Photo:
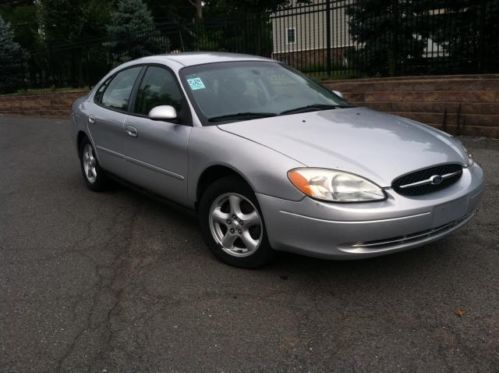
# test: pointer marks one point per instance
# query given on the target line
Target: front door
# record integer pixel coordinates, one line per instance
(156, 151)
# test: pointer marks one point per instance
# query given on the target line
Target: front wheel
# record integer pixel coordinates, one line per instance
(232, 224)
(93, 174)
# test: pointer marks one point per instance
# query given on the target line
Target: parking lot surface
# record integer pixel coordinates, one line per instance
(120, 282)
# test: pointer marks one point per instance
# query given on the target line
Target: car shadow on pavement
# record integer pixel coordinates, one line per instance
(286, 264)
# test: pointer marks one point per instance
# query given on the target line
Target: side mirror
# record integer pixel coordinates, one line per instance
(163, 112)
(337, 93)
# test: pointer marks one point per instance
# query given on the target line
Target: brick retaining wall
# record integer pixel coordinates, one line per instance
(466, 105)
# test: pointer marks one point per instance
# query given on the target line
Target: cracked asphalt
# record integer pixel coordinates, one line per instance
(119, 282)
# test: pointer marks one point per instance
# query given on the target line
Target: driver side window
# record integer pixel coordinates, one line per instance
(158, 87)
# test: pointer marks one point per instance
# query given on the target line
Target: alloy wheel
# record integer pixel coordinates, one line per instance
(89, 163)
(235, 224)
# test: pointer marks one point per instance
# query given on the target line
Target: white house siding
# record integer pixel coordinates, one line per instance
(309, 21)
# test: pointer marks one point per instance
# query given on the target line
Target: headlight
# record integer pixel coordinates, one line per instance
(334, 186)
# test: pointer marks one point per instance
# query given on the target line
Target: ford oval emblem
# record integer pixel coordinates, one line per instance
(436, 179)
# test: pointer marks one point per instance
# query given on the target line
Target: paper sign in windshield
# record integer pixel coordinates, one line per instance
(196, 83)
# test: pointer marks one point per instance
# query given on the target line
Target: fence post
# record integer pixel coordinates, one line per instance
(481, 31)
(328, 37)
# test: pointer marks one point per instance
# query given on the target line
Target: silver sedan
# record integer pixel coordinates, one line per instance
(272, 161)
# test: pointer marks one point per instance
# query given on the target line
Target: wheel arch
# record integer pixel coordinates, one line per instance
(213, 173)
(79, 139)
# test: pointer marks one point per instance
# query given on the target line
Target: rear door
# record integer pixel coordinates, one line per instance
(156, 151)
(107, 118)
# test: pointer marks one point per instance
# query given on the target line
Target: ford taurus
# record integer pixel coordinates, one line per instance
(272, 161)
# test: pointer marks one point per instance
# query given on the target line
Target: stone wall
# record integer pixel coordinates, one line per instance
(50, 104)
(466, 105)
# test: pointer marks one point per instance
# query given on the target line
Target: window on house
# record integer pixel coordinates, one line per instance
(291, 35)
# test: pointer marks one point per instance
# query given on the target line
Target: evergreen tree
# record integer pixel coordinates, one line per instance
(132, 32)
(237, 25)
(69, 30)
(23, 22)
(11, 60)
(467, 31)
(386, 36)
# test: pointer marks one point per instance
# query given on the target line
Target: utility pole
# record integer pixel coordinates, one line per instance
(198, 4)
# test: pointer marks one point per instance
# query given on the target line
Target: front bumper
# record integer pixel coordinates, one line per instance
(360, 230)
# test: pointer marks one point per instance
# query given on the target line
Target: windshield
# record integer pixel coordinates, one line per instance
(234, 91)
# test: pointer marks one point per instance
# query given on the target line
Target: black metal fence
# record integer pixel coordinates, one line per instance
(355, 38)
(82, 64)
(326, 39)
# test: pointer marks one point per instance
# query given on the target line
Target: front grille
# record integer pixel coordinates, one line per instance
(428, 180)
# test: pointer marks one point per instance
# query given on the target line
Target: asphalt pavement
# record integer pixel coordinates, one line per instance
(117, 281)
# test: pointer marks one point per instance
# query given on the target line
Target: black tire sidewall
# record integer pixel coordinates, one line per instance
(100, 183)
(230, 184)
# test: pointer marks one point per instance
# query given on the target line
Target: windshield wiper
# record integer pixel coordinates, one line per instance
(241, 116)
(313, 107)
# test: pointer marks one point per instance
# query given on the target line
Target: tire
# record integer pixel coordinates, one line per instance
(94, 176)
(232, 224)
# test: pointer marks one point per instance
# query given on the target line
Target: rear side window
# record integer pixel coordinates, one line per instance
(100, 91)
(117, 92)
(158, 87)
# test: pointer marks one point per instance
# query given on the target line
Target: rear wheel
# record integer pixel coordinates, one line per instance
(232, 224)
(93, 174)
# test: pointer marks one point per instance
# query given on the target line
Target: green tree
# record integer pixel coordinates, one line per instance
(467, 31)
(236, 26)
(72, 32)
(132, 32)
(387, 39)
(171, 10)
(24, 24)
(11, 60)
(253, 6)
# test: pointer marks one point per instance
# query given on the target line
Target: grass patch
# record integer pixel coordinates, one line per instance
(41, 91)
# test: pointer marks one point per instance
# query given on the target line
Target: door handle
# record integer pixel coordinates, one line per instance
(132, 131)
(91, 119)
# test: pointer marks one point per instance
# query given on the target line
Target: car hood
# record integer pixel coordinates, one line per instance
(375, 145)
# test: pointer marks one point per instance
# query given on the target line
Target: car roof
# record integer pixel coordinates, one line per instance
(177, 61)
(198, 58)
